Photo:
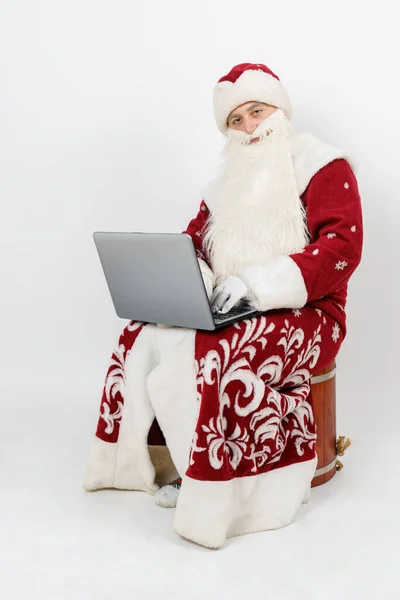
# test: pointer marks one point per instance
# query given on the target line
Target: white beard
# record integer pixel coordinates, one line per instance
(256, 211)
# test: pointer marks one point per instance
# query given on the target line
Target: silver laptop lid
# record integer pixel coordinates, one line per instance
(155, 278)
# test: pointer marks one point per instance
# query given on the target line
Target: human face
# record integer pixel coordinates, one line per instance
(248, 116)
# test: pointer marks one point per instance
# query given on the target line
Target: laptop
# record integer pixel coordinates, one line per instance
(156, 278)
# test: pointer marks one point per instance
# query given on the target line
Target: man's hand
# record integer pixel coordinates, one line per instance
(227, 294)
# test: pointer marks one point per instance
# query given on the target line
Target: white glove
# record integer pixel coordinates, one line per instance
(227, 294)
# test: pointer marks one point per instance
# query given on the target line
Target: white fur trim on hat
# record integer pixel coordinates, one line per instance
(254, 85)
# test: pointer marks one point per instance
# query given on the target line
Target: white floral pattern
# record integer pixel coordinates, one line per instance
(109, 417)
(270, 432)
(233, 446)
(260, 400)
(330, 235)
(134, 326)
(115, 383)
(194, 448)
(112, 400)
(353, 229)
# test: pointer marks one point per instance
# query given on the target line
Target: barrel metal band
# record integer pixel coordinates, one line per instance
(324, 470)
(325, 377)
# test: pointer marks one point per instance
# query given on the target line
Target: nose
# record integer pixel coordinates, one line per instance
(249, 125)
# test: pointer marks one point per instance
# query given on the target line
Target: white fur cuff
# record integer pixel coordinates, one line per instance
(277, 284)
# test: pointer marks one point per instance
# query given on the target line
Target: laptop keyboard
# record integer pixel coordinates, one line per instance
(236, 311)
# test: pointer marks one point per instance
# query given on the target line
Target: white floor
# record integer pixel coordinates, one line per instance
(58, 542)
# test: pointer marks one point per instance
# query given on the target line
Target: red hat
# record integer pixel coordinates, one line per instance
(244, 83)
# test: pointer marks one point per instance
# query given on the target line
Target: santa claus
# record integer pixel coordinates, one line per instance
(280, 227)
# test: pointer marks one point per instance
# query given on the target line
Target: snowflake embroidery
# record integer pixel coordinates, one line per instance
(324, 320)
(315, 251)
(198, 233)
(346, 186)
(330, 235)
(335, 332)
(353, 229)
(341, 265)
(296, 312)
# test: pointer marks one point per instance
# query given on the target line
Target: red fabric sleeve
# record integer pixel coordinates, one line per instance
(195, 230)
(334, 217)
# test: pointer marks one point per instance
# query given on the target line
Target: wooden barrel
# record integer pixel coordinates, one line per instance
(323, 387)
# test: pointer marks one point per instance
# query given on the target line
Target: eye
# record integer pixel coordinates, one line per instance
(235, 121)
(256, 111)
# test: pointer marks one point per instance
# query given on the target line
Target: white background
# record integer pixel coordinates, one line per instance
(106, 123)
